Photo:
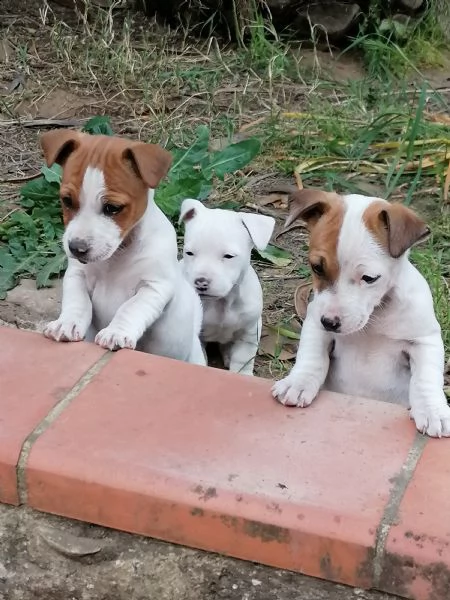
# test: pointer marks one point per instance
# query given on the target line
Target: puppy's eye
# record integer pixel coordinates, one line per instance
(318, 269)
(228, 256)
(67, 201)
(369, 279)
(109, 210)
(189, 253)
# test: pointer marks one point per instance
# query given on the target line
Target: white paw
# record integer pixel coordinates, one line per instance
(434, 422)
(113, 339)
(65, 330)
(295, 390)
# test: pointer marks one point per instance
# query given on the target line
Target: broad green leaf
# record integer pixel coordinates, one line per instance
(188, 161)
(100, 125)
(52, 174)
(40, 190)
(54, 266)
(233, 157)
(7, 281)
(7, 261)
(276, 256)
(170, 195)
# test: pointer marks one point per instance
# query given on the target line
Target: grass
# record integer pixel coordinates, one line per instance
(373, 133)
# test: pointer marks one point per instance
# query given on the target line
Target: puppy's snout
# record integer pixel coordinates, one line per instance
(79, 248)
(331, 324)
(202, 283)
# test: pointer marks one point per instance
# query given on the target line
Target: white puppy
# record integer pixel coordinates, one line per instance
(216, 261)
(370, 329)
(123, 285)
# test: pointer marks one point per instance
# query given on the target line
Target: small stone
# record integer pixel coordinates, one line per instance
(68, 544)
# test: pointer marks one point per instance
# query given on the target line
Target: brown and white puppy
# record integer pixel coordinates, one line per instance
(123, 283)
(370, 329)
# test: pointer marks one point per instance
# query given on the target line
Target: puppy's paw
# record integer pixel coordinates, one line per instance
(111, 338)
(433, 421)
(65, 330)
(295, 390)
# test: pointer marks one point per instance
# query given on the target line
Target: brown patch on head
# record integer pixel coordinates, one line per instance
(323, 213)
(130, 168)
(395, 227)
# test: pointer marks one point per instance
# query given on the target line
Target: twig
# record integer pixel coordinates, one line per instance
(44, 122)
(260, 209)
(21, 179)
(275, 278)
(9, 214)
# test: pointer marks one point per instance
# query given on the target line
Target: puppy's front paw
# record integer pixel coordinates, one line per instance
(65, 330)
(295, 390)
(114, 339)
(434, 422)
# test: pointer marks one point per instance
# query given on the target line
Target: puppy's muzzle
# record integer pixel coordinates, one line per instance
(331, 324)
(202, 284)
(79, 249)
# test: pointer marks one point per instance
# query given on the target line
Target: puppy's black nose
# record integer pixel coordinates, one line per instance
(79, 248)
(331, 324)
(202, 283)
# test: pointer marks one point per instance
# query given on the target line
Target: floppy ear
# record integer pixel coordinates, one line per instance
(149, 161)
(309, 205)
(189, 209)
(401, 229)
(259, 227)
(58, 144)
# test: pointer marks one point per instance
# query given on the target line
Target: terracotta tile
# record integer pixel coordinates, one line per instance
(417, 561)
(207, 459)
(35, 374)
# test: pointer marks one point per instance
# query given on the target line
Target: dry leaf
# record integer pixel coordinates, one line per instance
(68, 544)
(272, 344)
(277, 200)
(439, 118)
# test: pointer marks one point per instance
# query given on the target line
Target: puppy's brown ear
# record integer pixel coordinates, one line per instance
(58, 144)
(309, 205)
(398, 228)
(150, 162)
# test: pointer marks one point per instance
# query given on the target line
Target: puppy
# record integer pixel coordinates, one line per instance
(123, 286)
(370, 329)
(216, 261)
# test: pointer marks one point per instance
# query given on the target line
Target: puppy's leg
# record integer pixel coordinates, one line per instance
(308, 375)
(429, 407)
(241, 353)
(136, 315)
(198, 354)
(76, 311)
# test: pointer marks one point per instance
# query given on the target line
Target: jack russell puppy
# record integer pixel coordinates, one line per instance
(123, 286)
(216, 261)
(370, 329)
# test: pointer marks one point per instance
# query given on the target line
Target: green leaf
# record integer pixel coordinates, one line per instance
(40, 190)
(187, 162)
(100, 125)
(276, 256)
(54, 266)
(171, 194)
(52, 174)
(234, 157)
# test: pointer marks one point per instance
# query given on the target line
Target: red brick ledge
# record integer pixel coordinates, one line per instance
(345, 490)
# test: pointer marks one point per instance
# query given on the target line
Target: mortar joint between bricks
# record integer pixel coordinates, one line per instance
(50, 418)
